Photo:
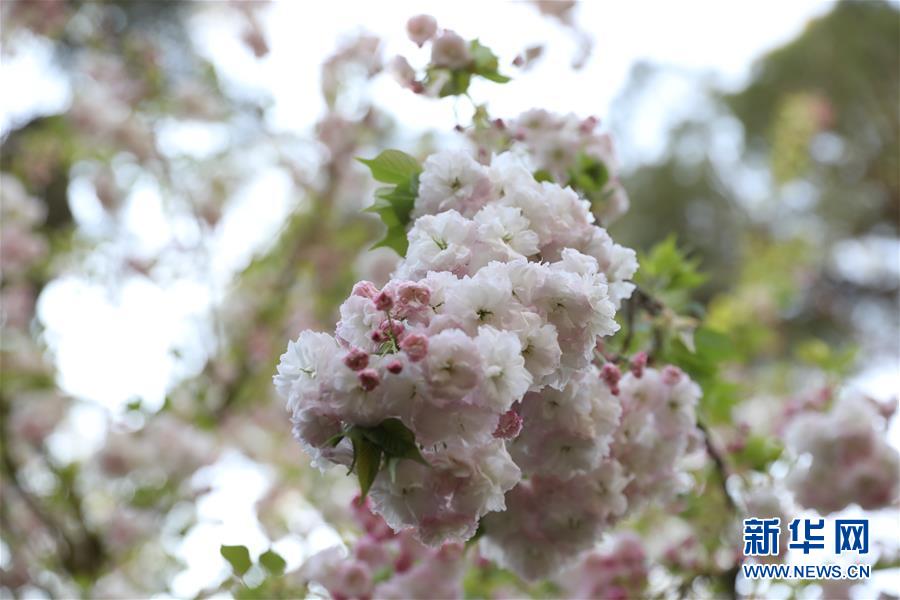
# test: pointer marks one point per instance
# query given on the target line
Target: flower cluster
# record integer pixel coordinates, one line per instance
(566, 148)
(453, 63)
(594, 452)
(657, 431)
(501, 213)
(844, 458)
(481, 349)
(385, 564)
(615, 573)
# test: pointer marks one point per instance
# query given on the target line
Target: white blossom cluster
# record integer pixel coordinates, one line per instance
(844, 458)
(386, 564)
(483, 344)
(554, 143)
(591, 457)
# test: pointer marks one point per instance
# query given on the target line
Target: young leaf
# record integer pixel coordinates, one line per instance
(392, 166)
(589, 175)
(457, 85)
(272, 562)
(394, 203)
(542, 175)
(238, 557)
(395, 439)
(367, 457)
(496, 77)
(485, 62)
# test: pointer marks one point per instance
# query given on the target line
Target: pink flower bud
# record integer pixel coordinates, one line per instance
(356, 360)
(610, 374)
(450, 51)
(413, 294)
(383, 301)
(588, 124)
(415, 345)
(392, 328)
(510, 425)
(395, 367)
(366, 289)
(421, 28)
(378, 337)
(671, 375)
(369, 379)
(638, 362)
(403, 562)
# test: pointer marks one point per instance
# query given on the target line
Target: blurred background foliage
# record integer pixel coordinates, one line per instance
(816, 165)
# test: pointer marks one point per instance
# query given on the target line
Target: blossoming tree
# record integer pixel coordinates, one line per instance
(526, 406)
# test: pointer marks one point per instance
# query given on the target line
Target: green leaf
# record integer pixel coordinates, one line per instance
(485, 62)
(367, 458)
(714, 345)
(589, 175)
(272, 562)
(496, 77)
(817, 352)
(395, 439)
(335, 439)
(718, 400)
(392, 166)
(759, 452)
(457, 85)
(542, 175)
(238, 557)
(394, 204)
(668, 274)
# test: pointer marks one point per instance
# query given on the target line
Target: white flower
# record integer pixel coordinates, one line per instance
(569, 431)
(452, 180)
(506, 232)
(539, 347)
(549, 521)
(470, 480)
(505, 376)
(617, 263)
(306, 358)
(440, 242)
(359, 318)
(848, 459)
(482, 300)
(452, 365)
(510, 174)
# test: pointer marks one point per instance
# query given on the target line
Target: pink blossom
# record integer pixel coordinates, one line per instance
(610, 374)
(421, 28)
(509, 426)
(356, 359)
(369, 379)
(638, 363)
(383, 301)
(366, 289)
(415, 345)
(672, 375)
